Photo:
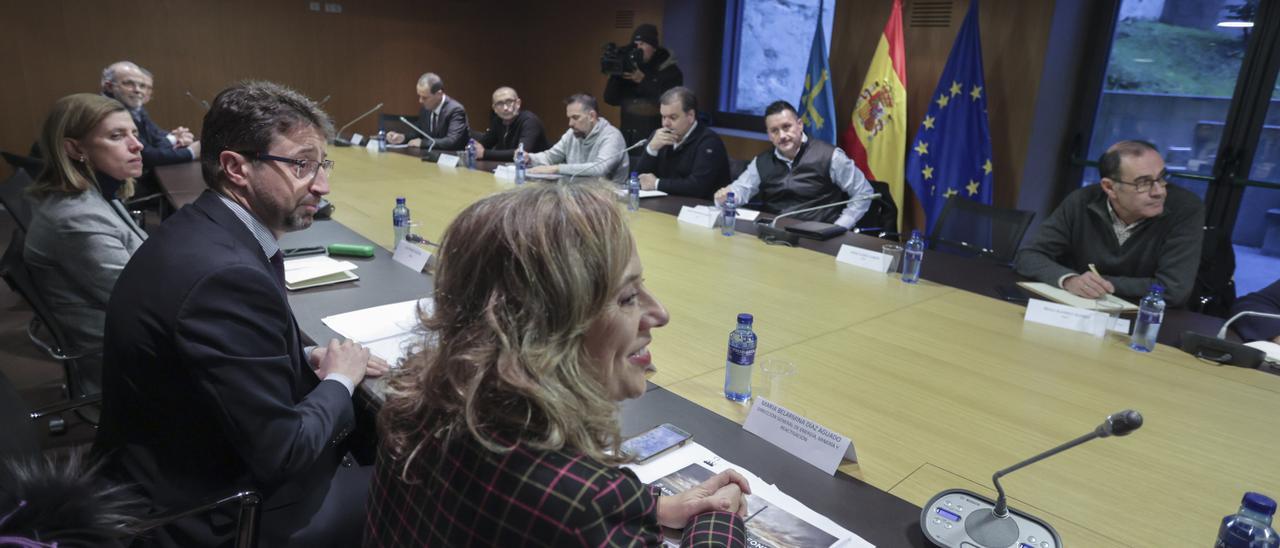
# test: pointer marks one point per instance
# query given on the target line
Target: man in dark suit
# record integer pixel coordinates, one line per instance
(1255, 328)
(132, 85)
(207, 386)
(683, 158)
(442, 117)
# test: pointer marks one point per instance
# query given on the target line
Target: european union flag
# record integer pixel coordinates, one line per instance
(951, 154)
(817, 103)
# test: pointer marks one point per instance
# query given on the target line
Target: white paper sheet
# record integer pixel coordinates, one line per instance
(307, 268)
(384, 330)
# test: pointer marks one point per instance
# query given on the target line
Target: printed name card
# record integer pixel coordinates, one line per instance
(1068, 317)
(372, 145)
(356, 139)
(447, 160)
(701, 216)
(864, 258)
(411, 255)
(799, 436)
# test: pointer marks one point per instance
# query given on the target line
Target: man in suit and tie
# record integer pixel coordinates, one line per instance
(207, 385)
(131, 84)
(442, 117)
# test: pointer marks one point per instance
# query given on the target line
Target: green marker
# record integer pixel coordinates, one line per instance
(351, 250)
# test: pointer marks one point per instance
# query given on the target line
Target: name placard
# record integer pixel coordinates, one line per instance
(447, 160)
(703, 217)
(864, 258)
(1067, 317)
(356, 139)
(411, 255)
(372, 145)
(808, 440)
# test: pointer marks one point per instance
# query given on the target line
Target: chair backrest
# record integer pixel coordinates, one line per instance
(31, 164)
(736, 167)
(13, 268)
(391, 122)
(13, 194)
(882, 214)
(1215, 288)
(967, 227)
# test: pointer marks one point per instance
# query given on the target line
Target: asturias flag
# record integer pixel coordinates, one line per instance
(877, 138)
(951, 155)
(817, 103)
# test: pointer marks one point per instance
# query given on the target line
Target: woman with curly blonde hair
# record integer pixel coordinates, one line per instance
(503, 430)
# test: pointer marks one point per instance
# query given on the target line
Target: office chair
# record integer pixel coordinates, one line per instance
(881, 218)
(13, 195)
(966, 227)
(1215, 288)
(736, 167)
(43, 331)
(21, 442)
(31, 164)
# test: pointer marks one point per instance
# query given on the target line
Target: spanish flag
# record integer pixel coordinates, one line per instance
(877, 138)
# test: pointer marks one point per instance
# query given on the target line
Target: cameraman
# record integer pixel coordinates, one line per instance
(638, 91)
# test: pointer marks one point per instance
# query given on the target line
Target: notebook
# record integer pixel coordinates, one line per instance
(1108, 304)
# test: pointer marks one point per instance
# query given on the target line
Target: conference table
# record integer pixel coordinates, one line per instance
(938, 383)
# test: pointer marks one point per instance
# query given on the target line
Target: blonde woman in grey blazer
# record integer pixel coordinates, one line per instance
(80, 240)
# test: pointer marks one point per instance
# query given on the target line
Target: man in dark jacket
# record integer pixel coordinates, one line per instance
(637, 92)
(1122, 235)
(442, 117)
(132, 85)
(683, 158)
(510, 127)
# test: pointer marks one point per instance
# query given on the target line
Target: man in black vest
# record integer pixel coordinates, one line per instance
(801, 173)
(683, 158)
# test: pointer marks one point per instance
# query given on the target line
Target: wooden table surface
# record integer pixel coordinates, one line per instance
(938, 387)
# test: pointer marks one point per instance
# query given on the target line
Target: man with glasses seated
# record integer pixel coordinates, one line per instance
(132, 85)
(207, 387)
(510, 127)
(1133, 227)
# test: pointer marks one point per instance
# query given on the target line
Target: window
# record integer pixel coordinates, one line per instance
(766, 50)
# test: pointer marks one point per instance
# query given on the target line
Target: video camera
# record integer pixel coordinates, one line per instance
(617, 61)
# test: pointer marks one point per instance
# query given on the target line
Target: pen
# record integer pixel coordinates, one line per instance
(1094, 269)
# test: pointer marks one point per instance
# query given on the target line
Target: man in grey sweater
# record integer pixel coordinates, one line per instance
(591, 147)
(1133, 226)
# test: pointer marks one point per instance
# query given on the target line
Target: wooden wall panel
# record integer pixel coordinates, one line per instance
(372, 52)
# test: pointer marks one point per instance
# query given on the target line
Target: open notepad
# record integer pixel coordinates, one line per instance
(1110, 303)
(387, 330)
(315, 271)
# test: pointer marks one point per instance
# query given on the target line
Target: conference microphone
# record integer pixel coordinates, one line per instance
(958, 517)
(200, 102)
(420, 132)
(771, 234)
(338, 140)
(1219, 349)
(617, 156)
(323, 101)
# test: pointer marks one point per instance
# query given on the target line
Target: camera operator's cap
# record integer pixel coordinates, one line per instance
(646, 33)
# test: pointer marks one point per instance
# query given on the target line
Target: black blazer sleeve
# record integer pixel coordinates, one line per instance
(156, 148)
(1253, 328)
(232, 327)
(456, 133)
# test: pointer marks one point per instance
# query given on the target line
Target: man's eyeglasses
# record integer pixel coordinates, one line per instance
(1145, 184)
(507, 103)
(302, 169)
(134, 84)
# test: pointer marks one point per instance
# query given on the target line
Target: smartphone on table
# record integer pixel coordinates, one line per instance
(656, 441)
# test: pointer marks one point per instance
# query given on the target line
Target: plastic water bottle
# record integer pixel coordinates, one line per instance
(730, 216)
(1147, 326)
(1251, 526)
(912, 258)
(382, 140)
(471, 154)
(519, 158)
(633, 192)
(400, 221)
(742, 354)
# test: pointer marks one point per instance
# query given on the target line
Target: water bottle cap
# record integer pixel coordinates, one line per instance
(747, 319)
(1157, 288)
(915, 233)
(1259, 502)
(399, 199)
(634, 174)
(730, 194)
